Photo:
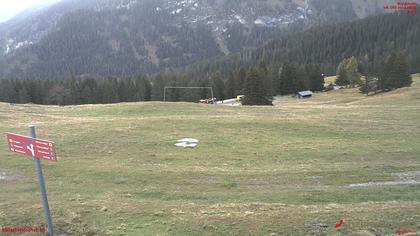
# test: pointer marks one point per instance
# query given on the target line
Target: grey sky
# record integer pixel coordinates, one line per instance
(9, 8)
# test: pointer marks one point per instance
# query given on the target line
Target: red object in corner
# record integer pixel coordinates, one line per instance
(339, 224)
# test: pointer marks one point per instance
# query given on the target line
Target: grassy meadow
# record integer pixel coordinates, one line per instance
(281, 170)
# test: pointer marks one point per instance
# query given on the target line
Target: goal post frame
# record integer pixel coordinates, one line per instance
(177, 87)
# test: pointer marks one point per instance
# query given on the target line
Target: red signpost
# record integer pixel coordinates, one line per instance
(37, 148)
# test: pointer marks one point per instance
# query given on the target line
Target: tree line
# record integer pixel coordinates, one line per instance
(393, 73)
(259, 83)
(74, 91)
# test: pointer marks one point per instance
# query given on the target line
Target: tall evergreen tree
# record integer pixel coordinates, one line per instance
(75, 91)
(395, 72)
(7, 91)
(110, 91)
(302, 81)
(370, 82)
(24, 95)
(159, 84)
(348, 73)
(218, 87)
(231, 89)
(288, 79)
(147, 89)
(342, 77)
(240, 81)
(353, 73)
(255, 92)
(316, 79)
(58, 95)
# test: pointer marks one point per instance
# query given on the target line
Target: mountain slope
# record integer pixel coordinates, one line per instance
(375, 37)
(129, 37)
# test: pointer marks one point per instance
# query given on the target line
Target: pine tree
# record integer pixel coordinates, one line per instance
(24, 96)
(394, 73)
(353, 73)
(131, 90)
(75, 91)
(255, 92)
(58, 95)
(173, 94)
(122, 90)
(316, 79)
(370, 83)
(288, 79)
(110, 91)
(230, 90)
(266, 78)
(240, 81)
(147, 89)
(342, 78)
(7, 92)
(302, 81)
(159, 84)
(87, 95)
(277, 83)
(402, 70)
(219, 87)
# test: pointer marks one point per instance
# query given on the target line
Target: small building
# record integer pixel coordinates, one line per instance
(305, 94)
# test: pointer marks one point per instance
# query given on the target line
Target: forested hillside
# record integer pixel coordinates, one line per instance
(375, 37)
(283, 66)
(121, 38)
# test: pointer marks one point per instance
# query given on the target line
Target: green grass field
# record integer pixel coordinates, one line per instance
(282, 170)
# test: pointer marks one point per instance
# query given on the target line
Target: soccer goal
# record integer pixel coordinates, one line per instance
(169, 88)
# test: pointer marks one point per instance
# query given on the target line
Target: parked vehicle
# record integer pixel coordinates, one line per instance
(239, 98)
(208, 101)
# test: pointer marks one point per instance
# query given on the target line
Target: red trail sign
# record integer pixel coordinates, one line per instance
(33, 147)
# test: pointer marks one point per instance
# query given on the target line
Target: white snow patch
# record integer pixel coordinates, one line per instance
(127, 6)
(177, 11)
(22, 44)
(4, 176)
(405, 178)
(190, 140)
(386, 183)
(259, 22)
(240, 19)
(187, 143)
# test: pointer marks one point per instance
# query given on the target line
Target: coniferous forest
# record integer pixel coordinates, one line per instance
(259, 84)
(385, 49)
(375, 37)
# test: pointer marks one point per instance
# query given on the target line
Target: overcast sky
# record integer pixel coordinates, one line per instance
(9, 8)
